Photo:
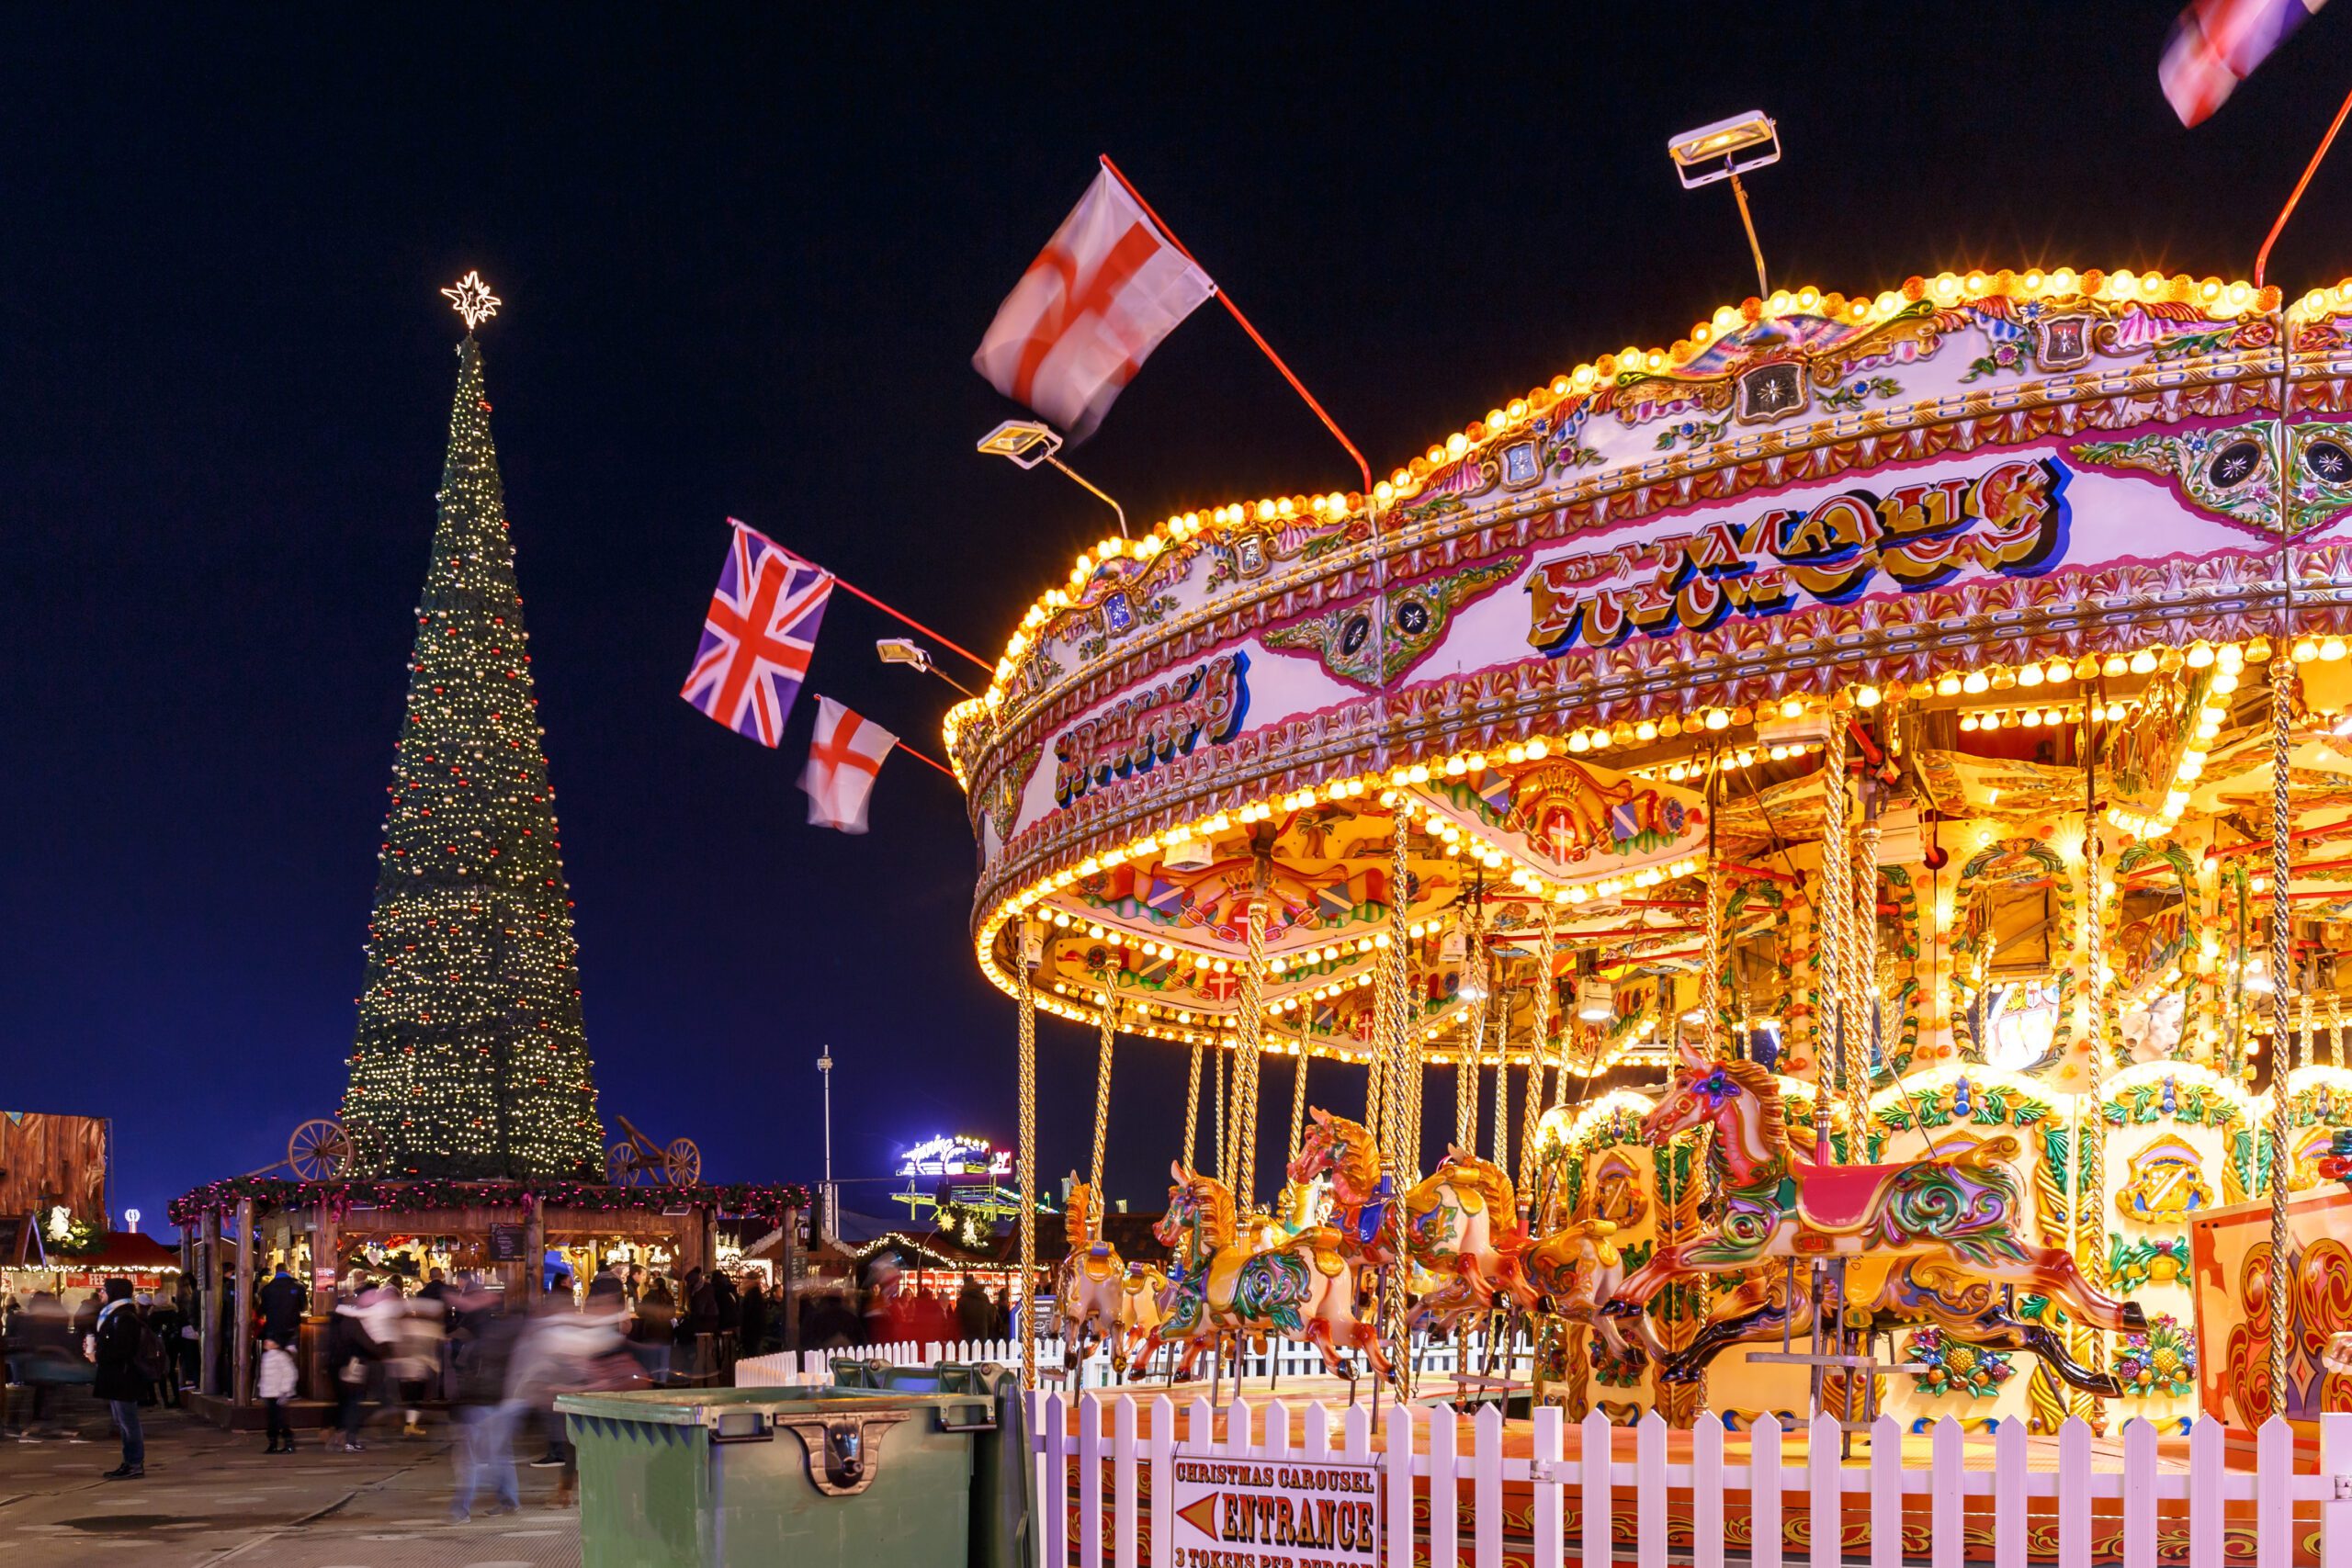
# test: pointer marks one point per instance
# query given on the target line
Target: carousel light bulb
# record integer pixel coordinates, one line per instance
(2028, 674)
(2332, 649)
(1674, 773)
(1866, 696)
(2030, 718)
(1947, 685)
(2199, 654)
(1793, 707)
(1718, 718)
(1977, 683)
(1537, 750)
(1455, 767)
(1646, 730)
(2230, 656)
(1990, 721)
(2144, 663)
(2052, 716)
(2225, 684)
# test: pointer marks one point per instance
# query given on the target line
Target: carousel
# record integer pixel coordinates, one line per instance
(1847, 815)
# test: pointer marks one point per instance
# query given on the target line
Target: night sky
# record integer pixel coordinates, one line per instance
(746, 267)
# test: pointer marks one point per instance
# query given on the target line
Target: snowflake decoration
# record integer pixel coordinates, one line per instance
(472, 298)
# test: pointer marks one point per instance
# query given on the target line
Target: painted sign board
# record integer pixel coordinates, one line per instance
(1244, 1513)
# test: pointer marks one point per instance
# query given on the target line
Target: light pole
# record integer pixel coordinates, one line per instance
(829, 1215)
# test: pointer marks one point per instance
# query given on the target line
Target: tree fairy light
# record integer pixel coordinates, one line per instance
(470, 1060)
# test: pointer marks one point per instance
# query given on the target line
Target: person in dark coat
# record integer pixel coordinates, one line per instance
(752, 1334)
(975, 1317)
(700, 1319)
(166, 1319)
(283, 1302)
(120, 1381)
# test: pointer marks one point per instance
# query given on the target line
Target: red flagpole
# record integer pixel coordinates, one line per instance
(1235, 310)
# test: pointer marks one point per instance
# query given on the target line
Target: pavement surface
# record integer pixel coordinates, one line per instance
(211, 1496)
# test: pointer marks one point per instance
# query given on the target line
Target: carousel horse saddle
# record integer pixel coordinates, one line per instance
(1101, 1263)
(1842, 1199)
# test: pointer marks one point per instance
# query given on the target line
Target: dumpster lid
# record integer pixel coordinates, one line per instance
(711, 1408)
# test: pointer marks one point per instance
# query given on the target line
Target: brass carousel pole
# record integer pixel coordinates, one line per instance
(1109, 1017)
(2090, 1180)
(1539, 1034)
(2282, 676)
(1474, 1049)
(1298, 1094)
(1193, 1108)
(1390, 1047)
(1249, 1053)
(1031, 941)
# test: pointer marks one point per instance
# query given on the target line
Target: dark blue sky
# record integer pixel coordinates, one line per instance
(746, 265)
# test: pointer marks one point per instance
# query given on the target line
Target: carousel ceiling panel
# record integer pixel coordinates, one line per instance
(1572, 821)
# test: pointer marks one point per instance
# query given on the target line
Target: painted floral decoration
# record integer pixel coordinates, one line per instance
(1948, 1366)
(2162, 1360)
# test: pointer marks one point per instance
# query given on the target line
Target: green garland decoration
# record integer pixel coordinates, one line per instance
(753, 1201)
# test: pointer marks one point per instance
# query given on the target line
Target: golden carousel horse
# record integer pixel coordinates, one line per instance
(1303, 1288)
(1090, 1285)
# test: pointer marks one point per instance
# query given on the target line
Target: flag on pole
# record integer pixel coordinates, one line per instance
(1090, 310)
(843, 758)
(757, 636)
(2216, 44)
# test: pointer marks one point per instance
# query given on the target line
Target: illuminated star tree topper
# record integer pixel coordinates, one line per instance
(472, 298)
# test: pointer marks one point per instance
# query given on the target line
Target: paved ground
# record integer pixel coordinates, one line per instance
(213, 1497)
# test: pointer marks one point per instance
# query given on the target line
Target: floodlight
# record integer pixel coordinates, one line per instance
(903, 651)
(1024, 441)
(1596, 1000)
(1724, 149)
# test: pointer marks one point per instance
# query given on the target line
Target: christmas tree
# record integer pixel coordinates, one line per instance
(470, 1059)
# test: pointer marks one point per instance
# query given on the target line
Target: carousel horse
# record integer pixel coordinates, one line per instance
(1892, 1294)
(1461, 1223)
(1304, 1289)
(1090, 1285)
(1572, 1273)
(1963, 1214)
(1139, 1295)
(1340, 1153)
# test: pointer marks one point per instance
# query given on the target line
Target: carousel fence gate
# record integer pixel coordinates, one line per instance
(1991, 1478)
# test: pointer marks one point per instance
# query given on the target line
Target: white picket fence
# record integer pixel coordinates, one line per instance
(1279, 1360)
(1071, 1474)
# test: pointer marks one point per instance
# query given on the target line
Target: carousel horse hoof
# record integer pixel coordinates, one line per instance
(2133, 1318)
(1676, 1371)
(2109, 1386)
(1621, 1308)
(1545, 1305)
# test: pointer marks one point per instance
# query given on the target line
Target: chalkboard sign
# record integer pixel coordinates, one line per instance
(509, 1243)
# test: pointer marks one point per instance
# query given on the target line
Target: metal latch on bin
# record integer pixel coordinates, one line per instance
(844, 1451)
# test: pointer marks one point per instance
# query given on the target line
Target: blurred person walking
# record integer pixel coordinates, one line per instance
(274, 1386)
(352, 1354)
(483, 1353)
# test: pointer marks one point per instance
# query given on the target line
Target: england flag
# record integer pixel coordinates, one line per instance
(843, 758)
(1090, 310)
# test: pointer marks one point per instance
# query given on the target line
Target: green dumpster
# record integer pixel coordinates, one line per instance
(730, 1477)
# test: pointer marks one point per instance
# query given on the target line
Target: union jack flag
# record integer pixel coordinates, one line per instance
(758, 634)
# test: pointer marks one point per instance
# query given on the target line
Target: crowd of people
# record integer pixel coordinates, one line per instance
(394, 1347)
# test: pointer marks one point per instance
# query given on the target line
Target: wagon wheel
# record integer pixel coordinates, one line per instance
(319, 1150)
(622, 1166)
(682, 1163)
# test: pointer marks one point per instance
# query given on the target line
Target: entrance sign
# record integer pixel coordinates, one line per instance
(1235, 1513)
